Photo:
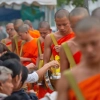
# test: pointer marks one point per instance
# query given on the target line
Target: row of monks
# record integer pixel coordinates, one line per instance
(76, 44)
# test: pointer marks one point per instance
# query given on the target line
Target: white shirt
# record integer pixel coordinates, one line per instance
(32, 78)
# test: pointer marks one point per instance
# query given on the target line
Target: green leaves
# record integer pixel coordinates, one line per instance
(76, 3)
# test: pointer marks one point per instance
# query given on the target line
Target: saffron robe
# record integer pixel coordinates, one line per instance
(60, 41)
(77, 57)
(30, 50)
(34, 33)
(90, 88)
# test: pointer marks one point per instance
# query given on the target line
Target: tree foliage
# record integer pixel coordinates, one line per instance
(73, 2)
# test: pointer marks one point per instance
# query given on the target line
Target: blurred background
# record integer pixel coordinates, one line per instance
(38, 10)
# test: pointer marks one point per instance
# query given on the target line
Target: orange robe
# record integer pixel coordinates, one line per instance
(30, 50)
(60, 41)
(42, 90)
(42, 47)
(77, 57)
(90, 88)
(34, 33)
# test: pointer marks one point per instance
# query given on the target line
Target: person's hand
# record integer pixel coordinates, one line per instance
(53, 63)
(30, 91)
(57, 48)
(41, 57)
(31, 66)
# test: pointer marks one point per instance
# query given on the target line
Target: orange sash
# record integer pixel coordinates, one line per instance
(30, 50)
(34, 33)
(60, 41)
(90, 89)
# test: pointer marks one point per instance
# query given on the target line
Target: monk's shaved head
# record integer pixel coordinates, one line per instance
(44, 24)
(18, 23)
(61, 13)
(23, 28)
(9, 24)
(28, 22)
(76, 15)
(87, 24)
(96, 13)
(79, 11)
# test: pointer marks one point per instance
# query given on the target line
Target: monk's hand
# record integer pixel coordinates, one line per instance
(57, 48)
(53, 63)
(41, 56)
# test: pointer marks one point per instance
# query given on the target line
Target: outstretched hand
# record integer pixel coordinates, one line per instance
(53, 63)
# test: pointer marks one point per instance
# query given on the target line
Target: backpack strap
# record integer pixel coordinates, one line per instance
(54, 42)
(73, 85)
(16, 43)
(23, 42)
(53, 39)
(69, 54)
(39, 46)
(40, 52)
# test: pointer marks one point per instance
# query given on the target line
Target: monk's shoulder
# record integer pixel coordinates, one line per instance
(5, 40)
(73, 45)
(79, 72)
(48, 39)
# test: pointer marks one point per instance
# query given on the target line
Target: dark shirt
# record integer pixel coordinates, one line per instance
(25, 96)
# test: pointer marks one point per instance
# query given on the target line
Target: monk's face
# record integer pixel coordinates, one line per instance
(10, 30)
(22, 35)
(44, 32)
(63, 25)
(74, 20)
(89, 43)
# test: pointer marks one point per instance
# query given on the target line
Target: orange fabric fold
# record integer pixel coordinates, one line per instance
(60, 41)
(8, 43)
(90, 89)
(42, 91)
(42, 47)
(77, 57)
(34, 33)
(30, 50)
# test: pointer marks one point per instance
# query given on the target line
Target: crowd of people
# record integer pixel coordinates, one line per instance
(41, 65)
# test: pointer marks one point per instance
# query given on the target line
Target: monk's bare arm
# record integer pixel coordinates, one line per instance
(47, 49)
(63, 60)
(37, 61)
(62, 89)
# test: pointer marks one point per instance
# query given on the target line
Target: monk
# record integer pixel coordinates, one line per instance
(34, 33)
(96, 13)
(63, 34)
(16, 42)
(75, 15)
(11, 32)
(85, 75)
(44, 29)
(29, 47)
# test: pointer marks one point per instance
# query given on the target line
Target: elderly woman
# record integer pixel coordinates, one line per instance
(6, 85)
